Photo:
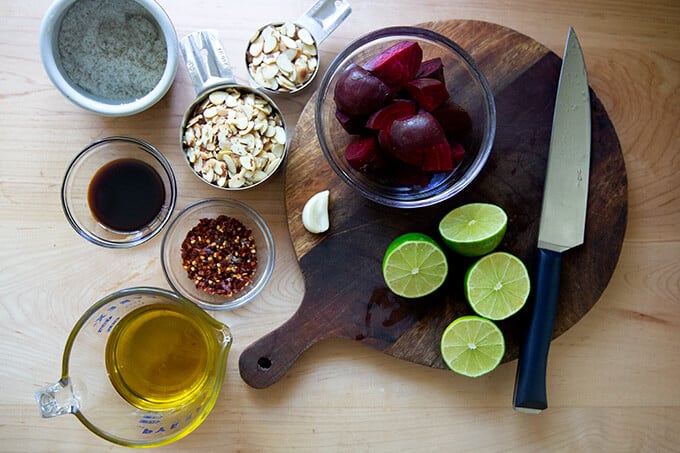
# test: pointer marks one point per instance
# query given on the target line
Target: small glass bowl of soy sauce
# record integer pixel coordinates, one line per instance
(118, 192)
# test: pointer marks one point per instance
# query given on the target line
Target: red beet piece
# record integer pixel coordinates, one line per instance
(384, 141)
(453, 118)
(352, 124)
(363, 154)
(397, 64)
(428, 93)
(400, 108)
(411, 138)
(432, 69)
(457, 153)
(360, 93)
(438, 158)
(409, 176)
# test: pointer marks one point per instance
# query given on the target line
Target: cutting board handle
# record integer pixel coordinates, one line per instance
(268, 359)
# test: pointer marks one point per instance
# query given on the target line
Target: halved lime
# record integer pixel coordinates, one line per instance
(497, 285)
(474, 229)
(414, 265)
(472, 346)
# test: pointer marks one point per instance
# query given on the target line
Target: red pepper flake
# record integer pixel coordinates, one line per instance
(220, 255)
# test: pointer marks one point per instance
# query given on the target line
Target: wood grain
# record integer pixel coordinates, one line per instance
(612, 377)
(345, 295)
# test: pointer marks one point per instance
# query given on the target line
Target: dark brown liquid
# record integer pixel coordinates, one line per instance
(126, 195)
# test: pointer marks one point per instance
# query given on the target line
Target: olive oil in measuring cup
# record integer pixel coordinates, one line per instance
(142, 367)
(158, 357)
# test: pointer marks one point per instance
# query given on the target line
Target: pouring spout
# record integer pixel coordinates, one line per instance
(224, 337)
(57, 399)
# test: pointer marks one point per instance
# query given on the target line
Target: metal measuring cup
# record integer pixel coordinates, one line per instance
(233, 136)
(283, 57)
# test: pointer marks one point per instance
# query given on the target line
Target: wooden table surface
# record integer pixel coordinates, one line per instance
(612, 378)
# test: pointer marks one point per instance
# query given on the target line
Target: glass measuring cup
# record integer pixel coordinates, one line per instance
(283, 57)
(141, 368)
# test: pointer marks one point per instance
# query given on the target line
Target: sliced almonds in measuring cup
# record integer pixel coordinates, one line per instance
(282, 57)
(234, 138)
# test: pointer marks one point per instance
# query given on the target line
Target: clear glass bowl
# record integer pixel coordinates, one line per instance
(171, 257)
(467, 87)
(75, 187)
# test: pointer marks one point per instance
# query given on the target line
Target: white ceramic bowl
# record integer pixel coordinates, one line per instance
(50, 29)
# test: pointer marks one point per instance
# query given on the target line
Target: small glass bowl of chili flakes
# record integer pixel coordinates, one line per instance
(218, 253)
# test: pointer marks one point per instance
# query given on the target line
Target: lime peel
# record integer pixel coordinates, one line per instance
(497, 285)
(472, 346)
(474, 229)
(414, 265)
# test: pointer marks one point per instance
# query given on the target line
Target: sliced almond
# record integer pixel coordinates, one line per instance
(269, 71)
(306, 37)
(301, 71)
(288, 43)
(270, 43)
(279, 135)
(231, 165)
(217, 97)
(286, 82)
(284, 63)
(255, 49)
(290, 29)
(210, 112)
(208, 175)
(309, 49)
(258, 176)
(236, 182)
(257, 60)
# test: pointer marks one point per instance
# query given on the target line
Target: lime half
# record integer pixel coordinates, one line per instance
(472, 346)
(414, 265)
(497, 285)
(474, 229)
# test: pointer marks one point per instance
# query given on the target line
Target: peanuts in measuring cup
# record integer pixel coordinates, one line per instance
(234, 139)
(282, 57)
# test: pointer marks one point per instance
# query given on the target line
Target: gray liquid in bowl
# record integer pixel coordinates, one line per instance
(113, 50)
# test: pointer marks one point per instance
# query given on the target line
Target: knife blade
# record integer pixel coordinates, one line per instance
(562, 223)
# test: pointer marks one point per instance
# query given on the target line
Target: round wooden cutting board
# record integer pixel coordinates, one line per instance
(345, 295)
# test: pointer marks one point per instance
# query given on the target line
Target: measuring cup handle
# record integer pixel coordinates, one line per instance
(324, 17)
(205, 60)
(57, 399)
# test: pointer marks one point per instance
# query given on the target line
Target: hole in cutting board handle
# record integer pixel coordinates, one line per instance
(267, 360)
(264, 363)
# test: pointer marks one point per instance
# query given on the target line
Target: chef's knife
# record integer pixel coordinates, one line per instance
(562, 225)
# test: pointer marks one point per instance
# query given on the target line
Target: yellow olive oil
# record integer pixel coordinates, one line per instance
(159, 357)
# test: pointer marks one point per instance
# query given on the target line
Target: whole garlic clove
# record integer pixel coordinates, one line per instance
(315, 213)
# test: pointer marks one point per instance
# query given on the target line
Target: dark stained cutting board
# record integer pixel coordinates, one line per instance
(345, 295)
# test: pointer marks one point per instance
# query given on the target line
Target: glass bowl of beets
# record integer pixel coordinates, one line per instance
(405, 117)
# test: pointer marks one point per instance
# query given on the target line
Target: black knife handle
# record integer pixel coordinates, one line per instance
(530, 393)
